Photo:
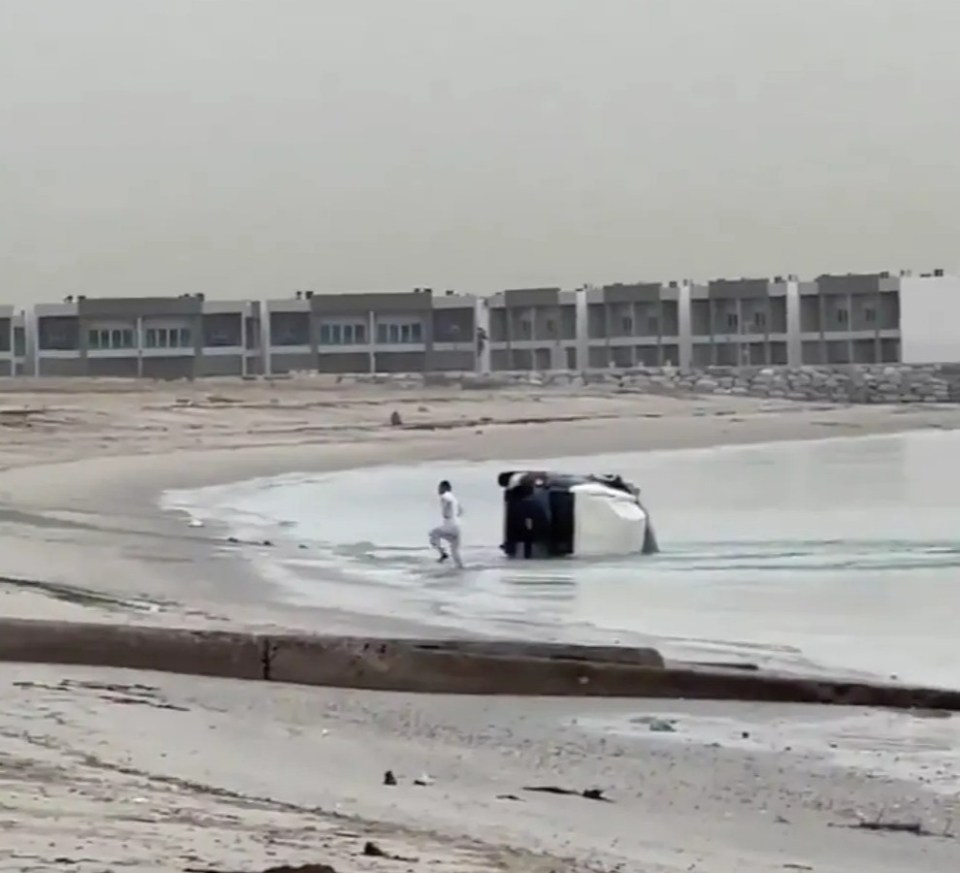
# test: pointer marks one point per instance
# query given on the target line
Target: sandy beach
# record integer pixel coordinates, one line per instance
(105, 769)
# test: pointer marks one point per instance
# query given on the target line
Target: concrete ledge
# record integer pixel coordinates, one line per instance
(172, 650)
(448, 667)
(436, 666)
(731, 684)
(490, 668)
(645, 657)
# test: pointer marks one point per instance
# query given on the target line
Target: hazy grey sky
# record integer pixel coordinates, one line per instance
(252, 147)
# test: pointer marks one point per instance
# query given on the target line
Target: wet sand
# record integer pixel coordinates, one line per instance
(81, 467)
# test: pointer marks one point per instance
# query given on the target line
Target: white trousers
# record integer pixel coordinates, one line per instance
(449, 534)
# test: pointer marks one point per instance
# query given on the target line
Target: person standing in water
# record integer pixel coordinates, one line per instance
(448, 531)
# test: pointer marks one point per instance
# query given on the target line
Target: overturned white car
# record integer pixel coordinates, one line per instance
(553, 515)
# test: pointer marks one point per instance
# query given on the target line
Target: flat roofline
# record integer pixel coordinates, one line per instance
(42, 310)
(565, 298)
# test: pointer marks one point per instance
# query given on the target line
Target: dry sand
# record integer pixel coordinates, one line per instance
(233, 775)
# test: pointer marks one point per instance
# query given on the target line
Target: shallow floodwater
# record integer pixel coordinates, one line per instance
(832, 554)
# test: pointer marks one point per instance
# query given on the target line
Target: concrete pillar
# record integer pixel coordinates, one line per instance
(265, 356)
(371, 342)
(313, 335)
(244, 319)
(743, 347)
(558, 358)
(582, 330)
(685, 338)
(426, 330)
(138, 338)
(82, 345)
(607, 330)
(32, 338)
(794, 328)
(481, 319)
(821, 319)
(198, 345)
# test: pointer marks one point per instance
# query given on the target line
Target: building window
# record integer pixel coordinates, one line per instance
(760, 320)
(110, 338)
(411, 333)
(58, 333)
(526, 329)
(551, 328)
(733, 321)
(626, 324)
(349, 334)
(167, 338)
(220, 330)
(843, 317)
(870, 315)
(398, 333)
(653, 325)
(289, 329)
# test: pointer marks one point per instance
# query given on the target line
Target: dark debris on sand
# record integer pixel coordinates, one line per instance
(283, 868)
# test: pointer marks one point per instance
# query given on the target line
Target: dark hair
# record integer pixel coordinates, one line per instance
(445, 485)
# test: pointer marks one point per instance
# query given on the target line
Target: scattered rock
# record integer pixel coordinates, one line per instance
(423, 780)
(283, 868)
(389, 778)
(897, 827)
(587, 793)
(658, 725)
(395, 419)
(372, 850)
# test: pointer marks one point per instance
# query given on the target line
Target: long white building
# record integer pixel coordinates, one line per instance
(873, 318)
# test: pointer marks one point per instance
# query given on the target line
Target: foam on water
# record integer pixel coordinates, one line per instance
(829, 554)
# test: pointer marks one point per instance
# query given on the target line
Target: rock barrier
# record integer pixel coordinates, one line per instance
(854, 383)
(435, 666)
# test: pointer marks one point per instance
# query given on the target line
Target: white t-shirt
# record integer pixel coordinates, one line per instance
(449, 509)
